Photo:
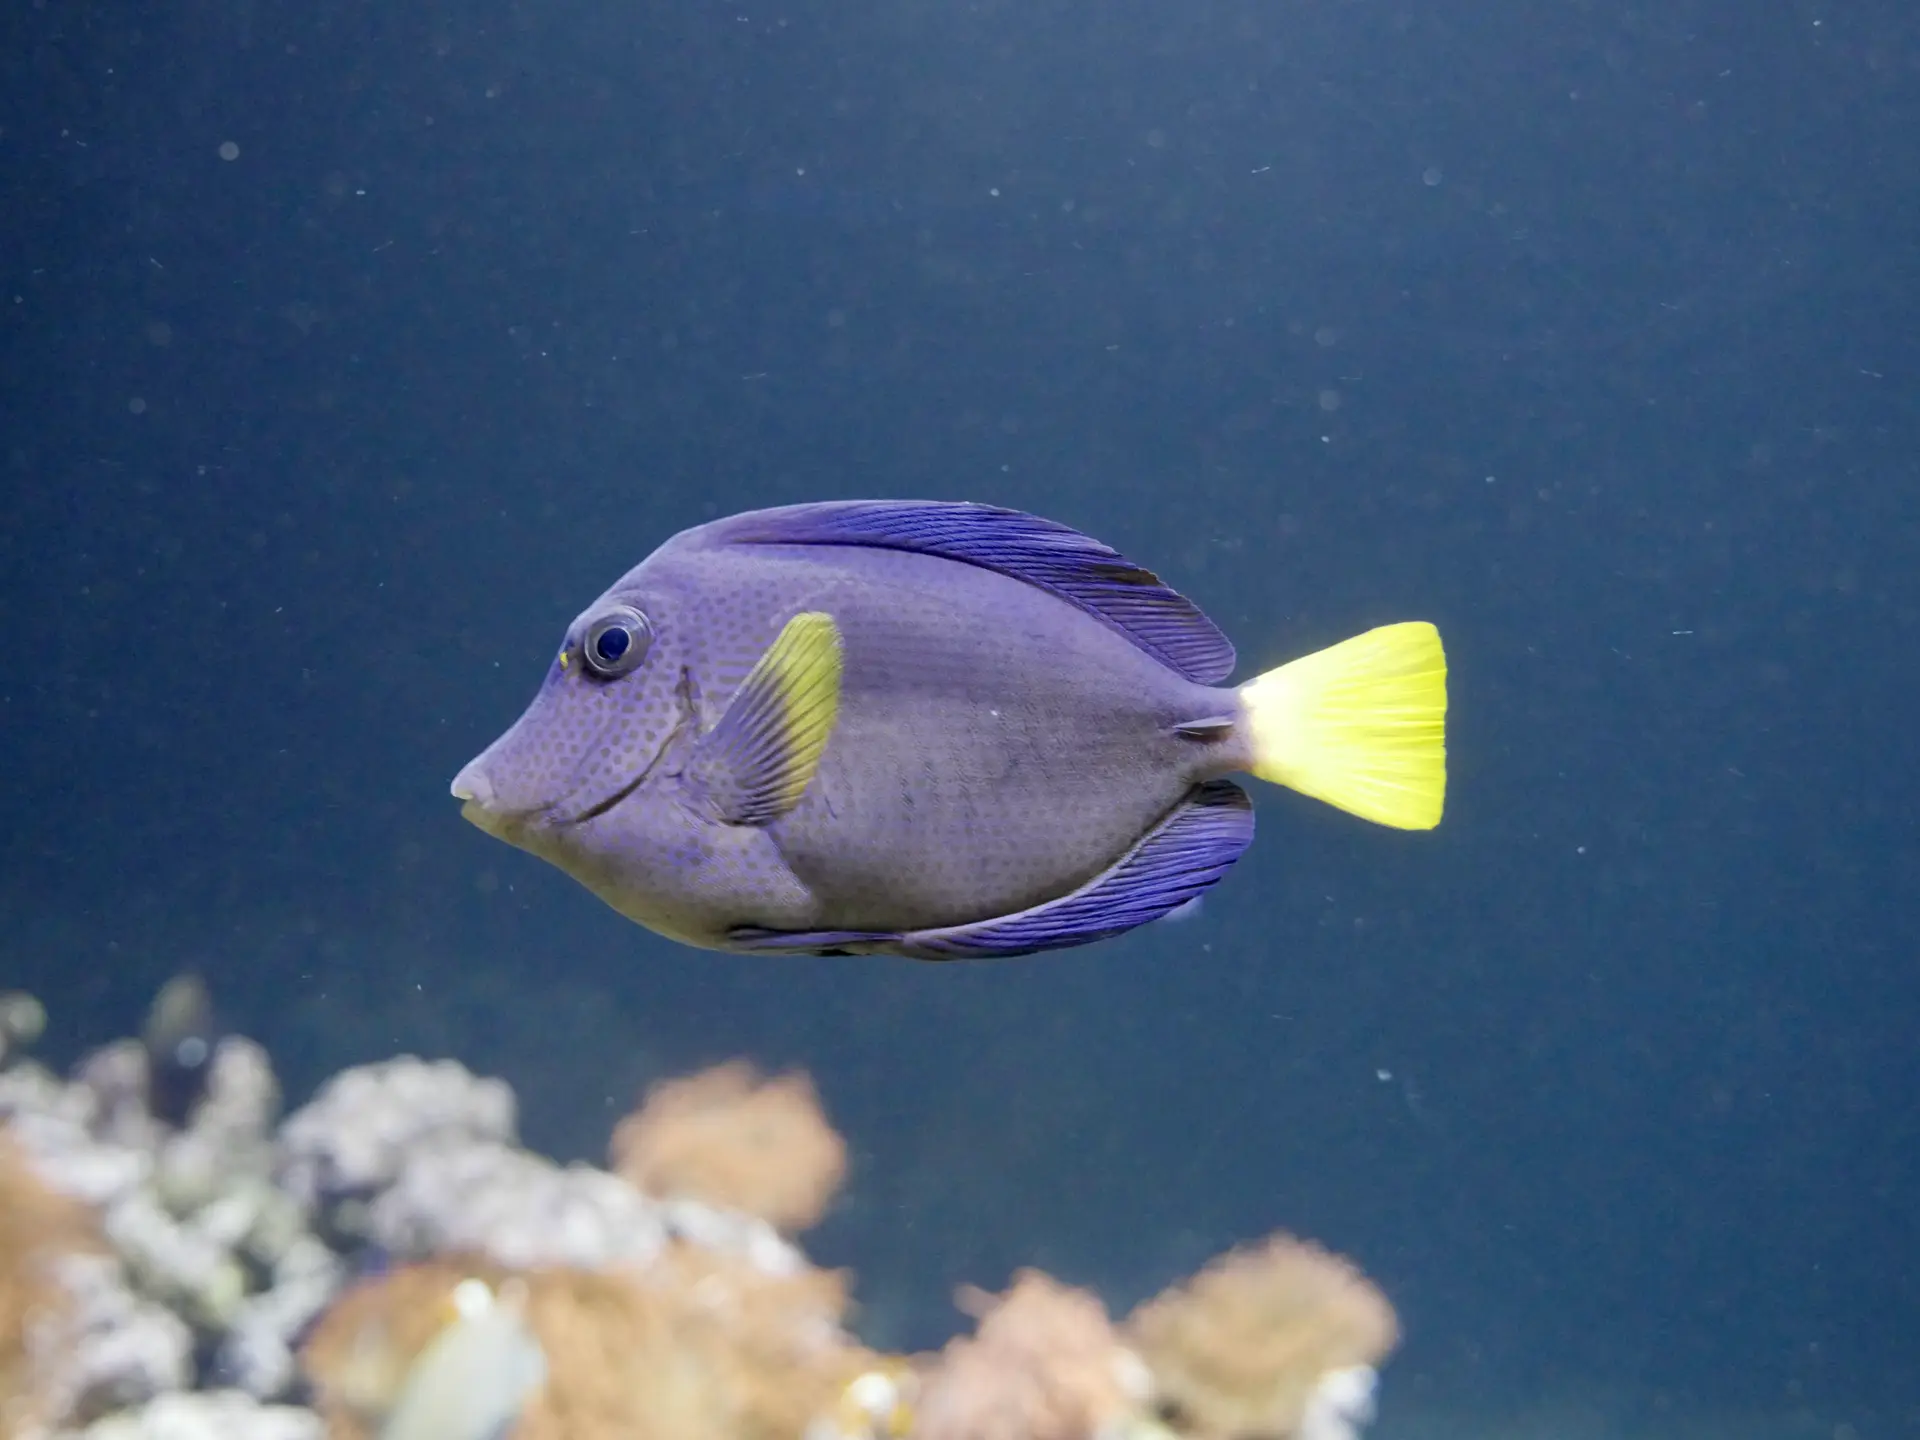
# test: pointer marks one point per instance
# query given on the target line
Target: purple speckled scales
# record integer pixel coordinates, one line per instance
(1179, 860)
(1055, 557)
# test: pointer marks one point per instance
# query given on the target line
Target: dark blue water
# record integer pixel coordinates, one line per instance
(1591, 332)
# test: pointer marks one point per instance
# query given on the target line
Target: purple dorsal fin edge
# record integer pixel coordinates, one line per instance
(1054, 557)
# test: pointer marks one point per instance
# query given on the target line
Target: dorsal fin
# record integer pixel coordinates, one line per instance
(1054, 557)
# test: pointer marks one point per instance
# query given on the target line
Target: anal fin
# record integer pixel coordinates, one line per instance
(758, 941)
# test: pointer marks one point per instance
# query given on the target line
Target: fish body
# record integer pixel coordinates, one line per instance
(475, 1377)
(180, 1039)
(923, 728)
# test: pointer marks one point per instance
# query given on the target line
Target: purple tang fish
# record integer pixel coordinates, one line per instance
(930, 729)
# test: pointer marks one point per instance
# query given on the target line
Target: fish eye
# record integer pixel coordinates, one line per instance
(616, 642)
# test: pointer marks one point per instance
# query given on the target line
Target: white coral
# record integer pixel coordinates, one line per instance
(1340, 1405)
(515, 1207)
(211, 1415)
(356, 1135)
(109, 1348)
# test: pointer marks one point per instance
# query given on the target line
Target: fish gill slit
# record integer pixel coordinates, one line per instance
(601, 807)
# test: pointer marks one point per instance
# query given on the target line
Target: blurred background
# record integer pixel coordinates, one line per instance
(348, 349)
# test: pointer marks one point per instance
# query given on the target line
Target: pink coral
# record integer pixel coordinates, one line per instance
(1044, 1365)
(1238, 1350)
(696, 1346)
(727, 1137)
(37, 1227)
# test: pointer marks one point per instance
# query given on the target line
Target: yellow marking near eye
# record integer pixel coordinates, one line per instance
(564, 661)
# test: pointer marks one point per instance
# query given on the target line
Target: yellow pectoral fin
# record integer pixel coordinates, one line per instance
(758, 761)
(1361, 725)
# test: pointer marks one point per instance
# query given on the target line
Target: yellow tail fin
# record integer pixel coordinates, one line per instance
(1361, 725)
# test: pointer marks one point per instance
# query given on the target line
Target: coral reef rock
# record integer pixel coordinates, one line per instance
(209, 1415)
(456, 1196)
(170, 1264)
(355, 1136)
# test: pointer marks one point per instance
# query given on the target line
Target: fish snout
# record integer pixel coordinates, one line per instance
(473, 786)
(481, 801)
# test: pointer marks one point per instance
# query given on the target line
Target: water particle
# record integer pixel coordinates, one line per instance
(229, 150)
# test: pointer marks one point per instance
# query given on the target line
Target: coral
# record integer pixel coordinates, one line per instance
(54, 1124)
(183, 1266)
(1241, 1349)
(694, 1347)
(229, 1129)
(1340, 1404)
(419, 1160)
(732, 1232)
(1045, 1364)
(209, 1415)
(75, 1341)
(775, 1344)
(456, 1195)
(729, 1138)
(256, 1353)
(153, 1248)
(108, 1347)
(694, 1350)
(193, 1218)
(116, 1082)
(355, 1136)
(37, 1229)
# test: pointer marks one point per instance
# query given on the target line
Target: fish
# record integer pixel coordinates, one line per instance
(933, 729)
(476, 1376)
(179, 1037)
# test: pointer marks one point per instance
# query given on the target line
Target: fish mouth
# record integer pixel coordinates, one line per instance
(480, 800)
(479, 808)
(508, 825)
